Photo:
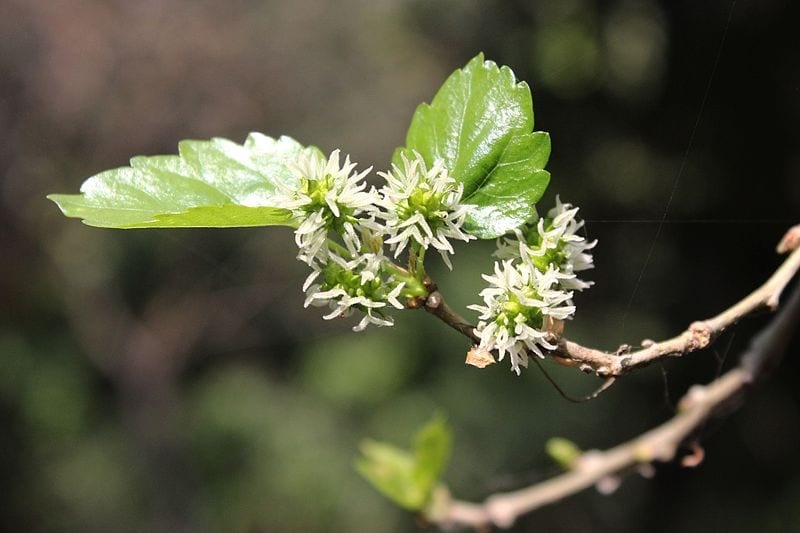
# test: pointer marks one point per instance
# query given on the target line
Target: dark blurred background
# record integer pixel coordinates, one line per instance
(172, 381)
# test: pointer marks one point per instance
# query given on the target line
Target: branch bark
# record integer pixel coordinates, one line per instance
(435, 305)
(697, 336)
(659, 444)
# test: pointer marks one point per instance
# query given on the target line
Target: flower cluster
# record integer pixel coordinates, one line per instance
(533, 285)
(422, 206)
(553, 240)
(330, 197)
(516, 305)
(356, 284)
(342, 226)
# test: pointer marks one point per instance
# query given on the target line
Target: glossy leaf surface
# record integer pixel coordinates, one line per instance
(479, 123)
(215, 183)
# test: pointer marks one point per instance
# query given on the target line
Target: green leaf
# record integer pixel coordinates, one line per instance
(510, 191)
(431, 452)
(215, 183)
(471, 119)
(408, 478)
(390, 470)
(479, 123)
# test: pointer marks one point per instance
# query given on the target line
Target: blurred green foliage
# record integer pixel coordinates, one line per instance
(408, 477)
(172, 381)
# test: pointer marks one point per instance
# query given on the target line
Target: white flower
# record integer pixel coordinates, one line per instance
(515, 306)
(552, 241)
(351, 285)
(311, 237)
(329, 196)
(422, 205)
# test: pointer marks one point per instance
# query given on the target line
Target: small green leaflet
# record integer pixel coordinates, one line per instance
(408, 478)
(563, 451)
(215, 183)
(480, 123)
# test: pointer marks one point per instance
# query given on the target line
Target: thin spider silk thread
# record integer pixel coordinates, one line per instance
(676, 181)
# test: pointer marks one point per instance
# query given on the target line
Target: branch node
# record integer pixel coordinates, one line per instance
(773, 301)
(695, 457)
(790, 240)
(590, 461)
(500, 512)
(434, 300)
(701, 334)
(608, 485)
(603, 371)
(646, 470)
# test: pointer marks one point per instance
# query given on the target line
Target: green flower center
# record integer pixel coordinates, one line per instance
(423, 201)
(513, 308)
(317, 190)
(553, 256)
(336, 276)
